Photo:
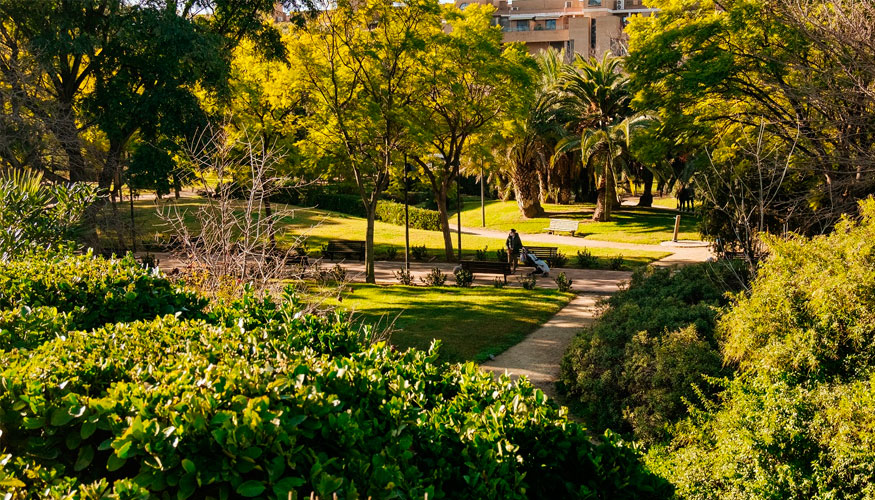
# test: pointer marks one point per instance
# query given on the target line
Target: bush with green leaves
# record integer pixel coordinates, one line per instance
(528, 282)
(560, 259)
(464, 278)
(419, 252)
(586, 260)
(633, 368)
(482, 254)
(616, 263)
(35, 215)
(563, 283)
(88, 291)
(403, 276)
(798, 421)
(420, 218)
(391, 252)
(257, 399)
(435, 277)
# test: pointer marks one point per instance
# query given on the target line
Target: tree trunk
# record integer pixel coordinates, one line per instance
(607, 197)
(564, 178)
(369, 244)
(66, 132)
(441, 199)
(646, 199)
(526, 189)
(599, 214)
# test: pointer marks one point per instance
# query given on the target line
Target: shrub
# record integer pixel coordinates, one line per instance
(586, 260)
(260, 400)
(419, 252)
(498, 283)
(560, 259)
(482, 254)
(435, 277)
(338, 274)
(563, 282)
(344, 203)
(625, 371)
(501, 255)
(528, 282)
(92, 291)
(420, 218)
(616, 263)
(464, 278)
(797, 421)
(391, 253)
(403, 277)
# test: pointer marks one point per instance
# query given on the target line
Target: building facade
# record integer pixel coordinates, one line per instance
(586, 27)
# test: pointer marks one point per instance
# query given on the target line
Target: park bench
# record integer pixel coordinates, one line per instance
(547, 254)
(562, 225)
(487, 267)
(344, 247)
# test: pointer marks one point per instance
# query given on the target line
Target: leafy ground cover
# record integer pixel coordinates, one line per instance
(471, 323)
(252, 398)
(321, 226)
(630, 225)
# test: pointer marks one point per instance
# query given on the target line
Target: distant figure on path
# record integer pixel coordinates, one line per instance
(513, 246)
(685, 198)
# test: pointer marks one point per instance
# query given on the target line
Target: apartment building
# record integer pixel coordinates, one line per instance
(587, 27)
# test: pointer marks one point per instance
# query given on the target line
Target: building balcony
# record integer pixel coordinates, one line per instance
(536, 36)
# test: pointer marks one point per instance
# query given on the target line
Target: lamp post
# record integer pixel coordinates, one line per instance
(482, 197)
(406, 218)
(459, 208)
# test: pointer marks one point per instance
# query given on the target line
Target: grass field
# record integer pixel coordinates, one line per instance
(471, 323)
(630, 225)
(321, 226)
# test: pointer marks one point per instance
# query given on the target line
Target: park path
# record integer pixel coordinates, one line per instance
(539, 356)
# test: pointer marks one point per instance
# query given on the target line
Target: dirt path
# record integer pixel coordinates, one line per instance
(538, 356)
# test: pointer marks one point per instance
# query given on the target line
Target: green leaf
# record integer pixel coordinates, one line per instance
(188, 465)
(287, 484)
(250, 488)
(61, 417)
(114, 462)
(87, 429)
(86, 455)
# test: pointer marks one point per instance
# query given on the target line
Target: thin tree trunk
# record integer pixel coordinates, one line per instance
(369, 244)
(441, 199)
(646, 199)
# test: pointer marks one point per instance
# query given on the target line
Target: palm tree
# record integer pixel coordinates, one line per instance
(597, 96)
(532, 143)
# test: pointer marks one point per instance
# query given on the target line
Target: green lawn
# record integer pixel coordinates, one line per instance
(630, 225)
(471, 323)
(321, 226)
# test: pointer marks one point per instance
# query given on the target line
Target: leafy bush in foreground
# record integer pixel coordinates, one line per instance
(633, 368)
(799, 422)
(92, 291)
(255, 399)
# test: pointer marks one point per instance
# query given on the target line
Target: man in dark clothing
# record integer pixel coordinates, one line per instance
(513, 246)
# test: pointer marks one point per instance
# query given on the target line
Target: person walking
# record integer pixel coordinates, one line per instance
(513, 246)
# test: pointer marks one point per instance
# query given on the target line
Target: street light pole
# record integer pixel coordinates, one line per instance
(459, 208)
(406, 220)
(482, 197)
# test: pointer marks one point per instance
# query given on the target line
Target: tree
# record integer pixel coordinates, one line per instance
(125, 67)
(469, 81)
(720, 70)
(359, 60)
(597, 96)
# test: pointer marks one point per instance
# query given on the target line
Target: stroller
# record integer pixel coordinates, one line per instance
(541, 267)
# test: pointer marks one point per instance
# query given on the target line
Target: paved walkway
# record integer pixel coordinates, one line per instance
(539, 356)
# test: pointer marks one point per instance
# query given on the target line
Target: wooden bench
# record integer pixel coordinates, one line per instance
(562, 225)
(547, 254)
(344, 247)
(487, 267)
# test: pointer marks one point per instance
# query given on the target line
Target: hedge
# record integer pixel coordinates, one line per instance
(387, 211)
(256, 399)
(420, 218)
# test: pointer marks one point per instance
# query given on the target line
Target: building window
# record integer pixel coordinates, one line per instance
(522, 26)
(592, 34)
(594, 3)
(504, 23)
(550, 24)
(462, 6)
